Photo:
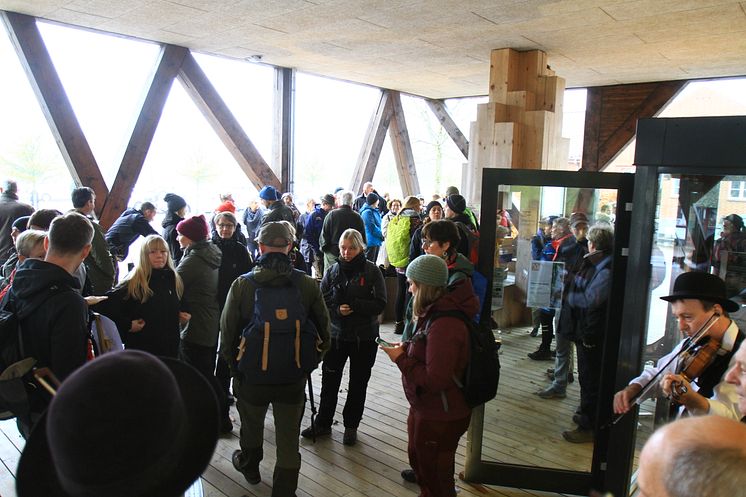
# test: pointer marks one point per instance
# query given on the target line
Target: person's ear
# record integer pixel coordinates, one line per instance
(86, 251)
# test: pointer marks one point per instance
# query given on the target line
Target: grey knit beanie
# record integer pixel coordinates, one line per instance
(428, 270)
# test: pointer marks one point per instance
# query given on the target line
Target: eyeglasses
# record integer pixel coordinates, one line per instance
(226, 226)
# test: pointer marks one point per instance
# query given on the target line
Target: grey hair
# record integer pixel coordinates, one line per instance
(601, 237)
(700, 470)
(27, 241)
(354, 236)
(345, 197)
(10, 186)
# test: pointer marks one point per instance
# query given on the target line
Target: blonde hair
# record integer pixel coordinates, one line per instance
(424, 296)
(353, 236)
(411, 202)
(137, 280)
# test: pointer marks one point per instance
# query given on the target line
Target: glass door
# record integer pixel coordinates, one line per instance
(521, 438)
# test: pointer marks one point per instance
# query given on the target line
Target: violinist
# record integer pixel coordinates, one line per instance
(695, 383)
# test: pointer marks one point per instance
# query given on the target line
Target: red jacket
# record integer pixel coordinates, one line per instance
(438, 353)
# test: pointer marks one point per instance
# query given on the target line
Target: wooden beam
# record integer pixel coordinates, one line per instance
(36, 62)
(402, 148)
(372, 144)
(444, 117)
(592, 130)
(284, 105)
(226, 126)
(619, 107)
(169, 62)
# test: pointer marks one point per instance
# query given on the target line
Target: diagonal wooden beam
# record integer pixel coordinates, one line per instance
(226, 126)
(169, 62)
(372, 144)
(36, 62)
(402, 148)
(444, 117)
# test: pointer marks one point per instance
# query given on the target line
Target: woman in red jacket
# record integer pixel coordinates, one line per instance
(436, 355)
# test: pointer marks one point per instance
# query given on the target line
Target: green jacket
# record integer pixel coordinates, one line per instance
(199, 272)
(99, 263)
(272, 269)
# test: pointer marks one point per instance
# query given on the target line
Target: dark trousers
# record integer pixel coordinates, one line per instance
(589, 376)
(432, 452)
(402, 296)
(546, 319)
(362, 357)
(202, 359)
(371, 253)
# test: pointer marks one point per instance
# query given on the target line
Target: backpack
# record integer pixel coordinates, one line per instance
(482, 374)
(279, 345)
(472, 237)
(398, 238)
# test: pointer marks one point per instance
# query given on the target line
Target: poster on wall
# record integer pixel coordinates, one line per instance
(498, 287)
(545, 286)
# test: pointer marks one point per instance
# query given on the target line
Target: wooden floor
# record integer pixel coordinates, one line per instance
(519, 428)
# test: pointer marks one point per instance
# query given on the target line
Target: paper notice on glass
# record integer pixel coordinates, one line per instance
(545, 280)
(498, 287)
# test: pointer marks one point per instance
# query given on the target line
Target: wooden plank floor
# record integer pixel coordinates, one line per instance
(519, 428)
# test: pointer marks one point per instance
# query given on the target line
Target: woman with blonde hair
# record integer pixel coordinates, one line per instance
(145, 305)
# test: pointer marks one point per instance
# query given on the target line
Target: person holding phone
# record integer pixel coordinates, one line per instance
(355, 293)
(437, 353)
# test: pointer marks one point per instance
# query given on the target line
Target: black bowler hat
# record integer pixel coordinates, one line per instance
(701, 286)
(125, 425)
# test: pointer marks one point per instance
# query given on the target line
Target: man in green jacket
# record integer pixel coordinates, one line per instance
(99, 263)
(273, 269)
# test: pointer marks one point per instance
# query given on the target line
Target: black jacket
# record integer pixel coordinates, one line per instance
(234, 263)
(160, 335)
(125, 230)
(279, 212)
(335, 223)
(169, 234)
(360, 284)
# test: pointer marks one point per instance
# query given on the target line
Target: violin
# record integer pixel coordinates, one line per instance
(694, 361)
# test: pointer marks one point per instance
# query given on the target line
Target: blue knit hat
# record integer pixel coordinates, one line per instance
(269, 193)
(428, 270)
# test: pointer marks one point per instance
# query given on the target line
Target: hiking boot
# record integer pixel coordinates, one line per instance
(540, 355)
(408, 475)
(550, 375)
(578, 436)
(398, 327)
(350, 436)
(321, 431)
(251, 473)
(551, 393)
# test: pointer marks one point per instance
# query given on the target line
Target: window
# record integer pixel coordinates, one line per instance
(737, 190)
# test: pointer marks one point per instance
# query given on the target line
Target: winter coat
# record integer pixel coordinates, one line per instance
(235, 261)
(199, 269)
(10, 210)
(99, 264)
(169, 234)
(335, 223)
(272, 269)
(278, 212)
(372, 222)
(125, 230)
(436, 355)
(160, 335)
(313, 223)
(252, 220)
(360, 284)
(538, 242)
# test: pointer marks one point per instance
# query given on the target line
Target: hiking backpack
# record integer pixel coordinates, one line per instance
(398, 238)
(472, 237)
(279, 345)
(482, 374)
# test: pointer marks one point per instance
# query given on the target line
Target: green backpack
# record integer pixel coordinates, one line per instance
(398, 240)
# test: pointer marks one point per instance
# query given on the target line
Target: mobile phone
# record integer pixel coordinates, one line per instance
(383, 343)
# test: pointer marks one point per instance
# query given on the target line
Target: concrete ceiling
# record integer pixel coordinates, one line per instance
(436, 48)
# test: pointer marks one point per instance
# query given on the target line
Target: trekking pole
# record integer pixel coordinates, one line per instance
(313, 408)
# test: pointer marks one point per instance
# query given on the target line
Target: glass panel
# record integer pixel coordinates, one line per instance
(520, 427)
(699, 223)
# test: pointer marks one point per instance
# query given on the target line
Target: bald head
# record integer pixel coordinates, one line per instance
(696, 456)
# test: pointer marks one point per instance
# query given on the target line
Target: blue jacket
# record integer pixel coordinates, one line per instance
(372, 221)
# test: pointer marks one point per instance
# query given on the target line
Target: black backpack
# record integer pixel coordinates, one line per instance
(279, 345)
(482, 374)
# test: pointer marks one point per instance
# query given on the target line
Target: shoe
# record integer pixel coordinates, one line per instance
(551, 393)
(321, 431)
(252, 475)
(398, 327)
(350, 436)
(534, 332)
(578, 436)
(408, 475)
(550, 375)
(540, 355)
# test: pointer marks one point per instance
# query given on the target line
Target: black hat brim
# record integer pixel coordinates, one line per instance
(37, 477)
(727, 305)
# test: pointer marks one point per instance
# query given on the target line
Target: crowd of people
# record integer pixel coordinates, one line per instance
(228, 300)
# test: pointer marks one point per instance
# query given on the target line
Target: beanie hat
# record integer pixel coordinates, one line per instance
(194, 228)
(371, 199)
(428, 270)
(21, 223)
(328, 199)
(174, 202)
(456, 203)
(578, 218)
(226, 206)
(451, 190)
(269, 193)
(432, 204)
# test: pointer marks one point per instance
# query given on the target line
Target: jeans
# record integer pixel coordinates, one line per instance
(562, 363)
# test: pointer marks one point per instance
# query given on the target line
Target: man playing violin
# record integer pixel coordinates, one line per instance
(698, 301)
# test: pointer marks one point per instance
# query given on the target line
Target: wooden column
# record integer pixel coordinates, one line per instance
(373, 143)
(402, 148)
(34, 57)
(284, 106)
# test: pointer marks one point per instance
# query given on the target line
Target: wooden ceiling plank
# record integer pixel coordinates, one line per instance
(56, 107)
(438, 107)
(403, 155)
(372, 144)
(133, 159)
(212, 106)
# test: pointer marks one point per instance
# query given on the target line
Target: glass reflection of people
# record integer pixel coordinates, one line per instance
(696, 298)
(538, 241)
(732, 239)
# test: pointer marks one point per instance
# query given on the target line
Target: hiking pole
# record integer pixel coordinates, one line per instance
(313, 408)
